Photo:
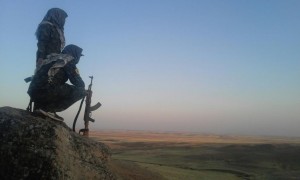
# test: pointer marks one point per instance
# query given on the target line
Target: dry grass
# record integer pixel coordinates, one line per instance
(157, 155)
(112, 137)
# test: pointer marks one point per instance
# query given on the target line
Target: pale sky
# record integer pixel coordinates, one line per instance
(213, 66)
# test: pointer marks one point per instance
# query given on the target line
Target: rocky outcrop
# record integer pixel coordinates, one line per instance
(35, 148)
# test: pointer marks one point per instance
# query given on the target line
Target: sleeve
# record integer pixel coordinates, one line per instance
(73, 75)
(43, 36)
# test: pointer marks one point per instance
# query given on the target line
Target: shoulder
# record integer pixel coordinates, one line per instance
(72, 69)
(70, 65)
(45, 25)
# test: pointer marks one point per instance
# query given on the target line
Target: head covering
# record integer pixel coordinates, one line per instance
(56, 16)
(74, 51)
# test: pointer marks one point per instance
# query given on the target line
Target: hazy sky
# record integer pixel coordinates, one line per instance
(213, 66)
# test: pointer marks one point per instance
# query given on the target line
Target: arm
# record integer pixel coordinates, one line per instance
(73, 75)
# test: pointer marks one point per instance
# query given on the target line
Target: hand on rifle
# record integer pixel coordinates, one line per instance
(88, 92)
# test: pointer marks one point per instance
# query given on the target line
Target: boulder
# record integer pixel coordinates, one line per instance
(32, 147)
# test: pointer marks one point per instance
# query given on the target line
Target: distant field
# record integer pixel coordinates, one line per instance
(152, 155)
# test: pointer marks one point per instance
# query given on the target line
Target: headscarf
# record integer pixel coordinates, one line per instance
(74, 51)
(56, 16)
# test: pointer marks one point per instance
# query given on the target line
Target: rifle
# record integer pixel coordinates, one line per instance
(88, 110)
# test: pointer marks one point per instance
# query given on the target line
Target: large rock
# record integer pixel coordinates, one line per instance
(35, 148)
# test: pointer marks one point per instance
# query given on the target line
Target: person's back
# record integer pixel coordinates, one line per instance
(50, 33)
(48, 88)
(48, 40)
(41, 80)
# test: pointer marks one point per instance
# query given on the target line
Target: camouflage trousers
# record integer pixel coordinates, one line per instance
(57, 98)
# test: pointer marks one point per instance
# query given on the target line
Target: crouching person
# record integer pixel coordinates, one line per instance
(48, 88)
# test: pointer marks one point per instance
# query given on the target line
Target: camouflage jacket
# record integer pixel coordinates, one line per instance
(50, 40)
(41, 80)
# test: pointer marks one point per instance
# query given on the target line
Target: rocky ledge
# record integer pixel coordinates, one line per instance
(35, 148)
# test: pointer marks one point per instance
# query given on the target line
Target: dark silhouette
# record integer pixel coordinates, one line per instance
(50, 34)
(48, 88)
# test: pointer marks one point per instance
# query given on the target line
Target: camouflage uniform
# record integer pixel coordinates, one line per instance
(48, 40)
(50, 33)
(54, 94)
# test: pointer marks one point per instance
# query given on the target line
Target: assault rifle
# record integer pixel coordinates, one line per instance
(88, 110)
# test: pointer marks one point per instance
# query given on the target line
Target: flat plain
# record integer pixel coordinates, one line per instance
(177, 156)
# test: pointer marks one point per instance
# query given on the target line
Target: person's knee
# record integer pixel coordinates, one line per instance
(79, 93)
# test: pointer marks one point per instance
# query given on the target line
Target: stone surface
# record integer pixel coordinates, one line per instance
(32, 147)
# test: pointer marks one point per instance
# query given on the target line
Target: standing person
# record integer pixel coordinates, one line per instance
(50, 34)
(48, 88)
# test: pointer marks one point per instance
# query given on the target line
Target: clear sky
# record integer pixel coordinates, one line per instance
(208, 66)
